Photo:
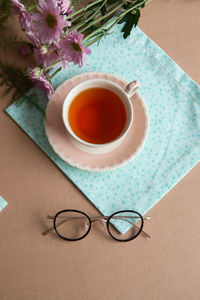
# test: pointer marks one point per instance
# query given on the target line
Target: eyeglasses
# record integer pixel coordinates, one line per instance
(74, 225)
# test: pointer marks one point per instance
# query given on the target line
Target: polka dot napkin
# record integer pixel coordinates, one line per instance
(3, 203)
(172, 147)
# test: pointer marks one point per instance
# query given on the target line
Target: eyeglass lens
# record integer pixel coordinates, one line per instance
(125, 225)
(72, 225)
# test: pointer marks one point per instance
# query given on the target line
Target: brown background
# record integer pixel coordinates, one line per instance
(36, 267)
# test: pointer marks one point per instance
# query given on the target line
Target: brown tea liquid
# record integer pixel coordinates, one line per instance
(97, 115)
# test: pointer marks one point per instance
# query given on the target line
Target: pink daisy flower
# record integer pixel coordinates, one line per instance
(26, 21)
(40, 81)
(65, 7)
(50, 23)
(63, 61)
(17, 7)
(24, 17)
(72, 48)
(46, 56)
(33, 37)
(42, 49)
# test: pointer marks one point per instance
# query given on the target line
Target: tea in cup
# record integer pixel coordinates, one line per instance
(98, 114)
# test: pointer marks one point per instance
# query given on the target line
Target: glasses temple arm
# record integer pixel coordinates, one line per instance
(142, 231)
(52, 228)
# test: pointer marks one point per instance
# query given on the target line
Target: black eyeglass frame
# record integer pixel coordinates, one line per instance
(107, 220)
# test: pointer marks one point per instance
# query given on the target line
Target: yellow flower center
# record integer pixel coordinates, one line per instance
(76, 47)
(51, 20)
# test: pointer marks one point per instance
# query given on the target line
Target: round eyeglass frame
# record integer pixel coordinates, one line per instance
(72, 210)
(108, 223)
(122, 211)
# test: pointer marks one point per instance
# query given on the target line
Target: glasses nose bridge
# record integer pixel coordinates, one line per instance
(101, 219)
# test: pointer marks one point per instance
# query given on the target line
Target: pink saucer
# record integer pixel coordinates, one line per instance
(61, 144)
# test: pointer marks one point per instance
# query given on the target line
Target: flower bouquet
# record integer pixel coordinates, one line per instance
(58, 33)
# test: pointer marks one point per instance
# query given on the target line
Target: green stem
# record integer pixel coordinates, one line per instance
(94, 40)
(80, 23)
(97, 20)
(32, 7)
(50, 66)
(101, 19)
(95, 32)
(83, 9)
(79, 16)
(95, 14)
(54, 73)
(116, 19)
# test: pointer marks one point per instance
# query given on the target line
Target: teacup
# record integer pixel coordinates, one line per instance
(98, 114)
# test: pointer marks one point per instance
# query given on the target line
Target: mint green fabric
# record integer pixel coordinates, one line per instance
(3, 203)
(172, 147)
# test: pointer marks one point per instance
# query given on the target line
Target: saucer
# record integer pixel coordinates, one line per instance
(60, 142)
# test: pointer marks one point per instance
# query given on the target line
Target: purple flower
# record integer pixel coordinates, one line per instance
(46, 56)
(65, 7)
(33, 37)
(25, 50)
(35, 73)
(44, 85)
(17, 7)
(51, 55)
(72, 48)
(26, 21)
(42, 49)
(50, 23)
(40, 81)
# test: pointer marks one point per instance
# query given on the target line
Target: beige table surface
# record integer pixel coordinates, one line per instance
(36, 267)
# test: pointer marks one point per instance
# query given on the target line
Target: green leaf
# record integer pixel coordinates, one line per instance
(131, 20)
(124, 19)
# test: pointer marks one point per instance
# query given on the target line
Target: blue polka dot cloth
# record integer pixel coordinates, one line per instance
(172, 147)
(3, 203)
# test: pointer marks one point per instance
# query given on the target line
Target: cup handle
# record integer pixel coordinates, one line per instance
(132, 87)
